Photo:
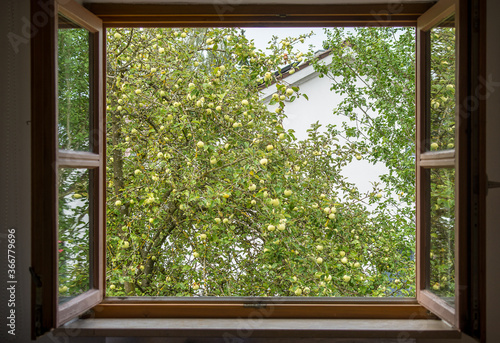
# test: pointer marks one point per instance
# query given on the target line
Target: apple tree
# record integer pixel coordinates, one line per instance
(208, 193)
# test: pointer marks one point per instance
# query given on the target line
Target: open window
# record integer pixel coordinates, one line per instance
(443, 164)
(67, 160)
(69, 279)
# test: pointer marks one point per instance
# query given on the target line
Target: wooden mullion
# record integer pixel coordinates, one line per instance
(77, 159)
(437, 155)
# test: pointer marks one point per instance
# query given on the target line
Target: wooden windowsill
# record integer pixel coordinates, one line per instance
(260, 328)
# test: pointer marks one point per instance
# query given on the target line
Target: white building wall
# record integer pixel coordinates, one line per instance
(322, 101)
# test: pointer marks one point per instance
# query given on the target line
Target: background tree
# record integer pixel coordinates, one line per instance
(208, 194)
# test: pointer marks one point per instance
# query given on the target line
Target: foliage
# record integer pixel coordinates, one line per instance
(208, 194)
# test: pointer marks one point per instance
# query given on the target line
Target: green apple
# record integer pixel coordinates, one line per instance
(298, 292)
(344, 260)
(289, 91)
(271, 227)
(319, 247)
(287, 192)
(137, 172)
(244, 102)
(252, 187)
(225, 220)
(434, 146)
(125, 245)
(217, 220)
(269, 147)
(346, 278)
(319, 260)
(196, 254)
(200, 144)
(203, 236)
(118, 203)
(263, 161)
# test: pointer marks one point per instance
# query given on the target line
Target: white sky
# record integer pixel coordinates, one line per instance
(262, 36)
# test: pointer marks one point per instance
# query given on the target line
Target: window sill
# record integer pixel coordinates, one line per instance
(260, 328)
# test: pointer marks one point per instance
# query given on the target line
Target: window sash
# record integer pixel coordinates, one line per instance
(46, 161)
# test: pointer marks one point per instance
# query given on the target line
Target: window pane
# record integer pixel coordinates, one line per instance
(74, 102)
(443, 85)
(74, 232)
(442, 234)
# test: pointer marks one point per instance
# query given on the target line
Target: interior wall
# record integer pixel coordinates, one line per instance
(15, 174)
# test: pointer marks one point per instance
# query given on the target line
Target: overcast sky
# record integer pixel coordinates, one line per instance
(262, 36)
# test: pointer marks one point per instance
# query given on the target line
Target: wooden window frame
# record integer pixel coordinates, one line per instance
(47, 159)
(121, 15)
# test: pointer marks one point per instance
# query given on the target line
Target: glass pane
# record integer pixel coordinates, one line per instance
(73, 86)
(442, 234)
(443, 85)
(74, 232)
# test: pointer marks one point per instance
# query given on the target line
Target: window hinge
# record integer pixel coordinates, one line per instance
(255, 305)
(38, 302)
(491, 184)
